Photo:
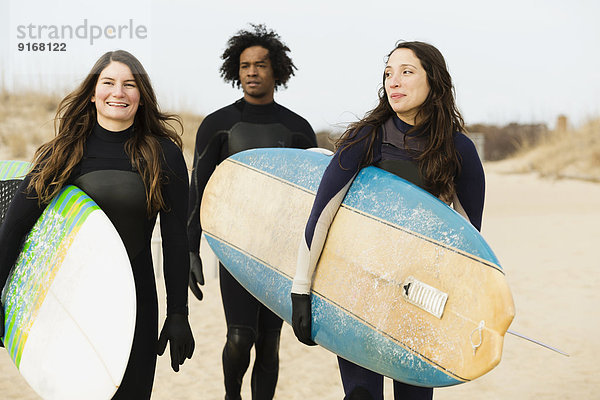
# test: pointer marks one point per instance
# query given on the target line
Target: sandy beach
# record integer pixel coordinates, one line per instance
(543, 233)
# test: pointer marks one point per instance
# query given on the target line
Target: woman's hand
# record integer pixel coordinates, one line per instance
(301, 318)
(177, 331)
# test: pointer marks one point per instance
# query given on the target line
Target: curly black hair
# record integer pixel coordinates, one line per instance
(283, 67)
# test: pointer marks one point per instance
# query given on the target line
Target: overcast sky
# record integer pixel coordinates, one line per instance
(511, 60)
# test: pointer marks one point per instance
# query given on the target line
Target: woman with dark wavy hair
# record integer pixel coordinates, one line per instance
(415, 132)
(114, 143)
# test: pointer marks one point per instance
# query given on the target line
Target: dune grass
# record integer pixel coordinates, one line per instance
(27, 121)
(573, 154)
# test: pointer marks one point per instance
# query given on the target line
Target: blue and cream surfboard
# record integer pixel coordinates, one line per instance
(69, 301)
(405, 286)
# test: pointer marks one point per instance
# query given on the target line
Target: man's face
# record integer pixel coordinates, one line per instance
(256, 75)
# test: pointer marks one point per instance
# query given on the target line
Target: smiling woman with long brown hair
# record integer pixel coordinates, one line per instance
(416, 133)
(77, 114)
(114, 143)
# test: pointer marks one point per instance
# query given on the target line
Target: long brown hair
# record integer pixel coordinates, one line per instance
(438, 118)
(76, 115)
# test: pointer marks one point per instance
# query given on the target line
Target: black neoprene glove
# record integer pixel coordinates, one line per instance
(301, 318)
(177, 331)
(196, 275)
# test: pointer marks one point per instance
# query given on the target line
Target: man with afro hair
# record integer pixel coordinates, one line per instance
(257, 61)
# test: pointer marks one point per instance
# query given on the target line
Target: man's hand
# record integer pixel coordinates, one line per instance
(196, 275)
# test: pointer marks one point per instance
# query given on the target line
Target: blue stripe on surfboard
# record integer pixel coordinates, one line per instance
(341, 333)
(37, 262)
(10, 170)
(62, 201)
(370, 191)
(73, 195)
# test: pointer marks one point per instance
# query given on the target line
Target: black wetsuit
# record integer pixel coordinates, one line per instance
(237, 127)
(389, 153)
(107, 176)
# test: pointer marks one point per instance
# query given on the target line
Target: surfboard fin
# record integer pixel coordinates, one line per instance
(538, 343)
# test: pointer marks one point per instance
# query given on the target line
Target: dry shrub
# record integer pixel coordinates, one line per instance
(502, 142)
(26, 121)
(191, 122)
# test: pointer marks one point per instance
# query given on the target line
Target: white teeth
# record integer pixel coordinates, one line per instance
(117, 104)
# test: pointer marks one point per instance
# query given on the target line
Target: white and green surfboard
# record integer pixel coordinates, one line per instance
(69, 301)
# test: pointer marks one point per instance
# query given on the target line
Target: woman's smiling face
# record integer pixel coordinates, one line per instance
(116, 96)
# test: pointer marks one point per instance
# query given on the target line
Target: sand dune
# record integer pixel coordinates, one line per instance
(544, 233)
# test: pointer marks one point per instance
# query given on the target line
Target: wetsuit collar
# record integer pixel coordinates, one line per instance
(110, 136)
(401, 125)
(405, 128)
(257, 108)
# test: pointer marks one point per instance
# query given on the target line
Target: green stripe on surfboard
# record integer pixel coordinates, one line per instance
(39, 262)
(13, 170)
